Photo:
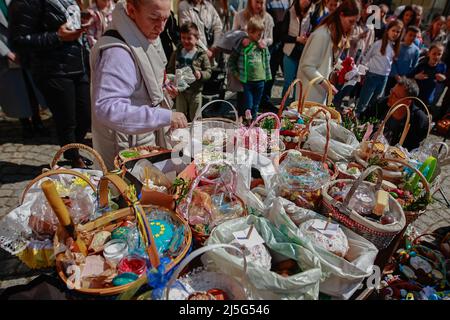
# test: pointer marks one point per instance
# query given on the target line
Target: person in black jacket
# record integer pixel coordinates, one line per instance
(59, 62)
(170, 37)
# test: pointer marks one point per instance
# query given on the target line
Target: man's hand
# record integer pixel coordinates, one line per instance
(197, 74)
(440, 77)
(421, 76)
(245, 42)
(64, 34)
(178, 120)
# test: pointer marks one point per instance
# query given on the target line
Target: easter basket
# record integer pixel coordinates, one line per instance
(211, 200)
(374, 151)
(139, 241)
(307, 108)
(292, 128)
(201, 284)
(27, 231)
(379, 234)
(262, 135)
(416, 198)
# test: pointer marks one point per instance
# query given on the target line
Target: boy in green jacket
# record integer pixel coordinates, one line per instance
(250, 63)
(189, 53)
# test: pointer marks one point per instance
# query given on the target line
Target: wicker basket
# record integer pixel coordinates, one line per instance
(380, 235)
(117, 216)
(250, 138)
(315, 197)
(292, 138)
(184, 206)
(305, 104)
(412, 216)
(362, 155)
(80, 146)
(203, 280)
(199, 126)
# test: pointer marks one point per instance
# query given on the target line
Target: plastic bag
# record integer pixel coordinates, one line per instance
(342, 141)
(341, 277)
(183, 78)
(301, 179)
(263, 283)
(147, 173)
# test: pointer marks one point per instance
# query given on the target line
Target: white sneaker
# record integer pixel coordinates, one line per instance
(248, 114)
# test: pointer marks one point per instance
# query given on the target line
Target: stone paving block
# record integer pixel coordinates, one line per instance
(6, 193)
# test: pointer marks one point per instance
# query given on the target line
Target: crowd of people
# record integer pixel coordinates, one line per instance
(103, 67)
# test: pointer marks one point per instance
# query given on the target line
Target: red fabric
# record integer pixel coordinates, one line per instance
(346, 67)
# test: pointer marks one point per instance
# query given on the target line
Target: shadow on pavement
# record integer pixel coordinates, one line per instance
(13, 172)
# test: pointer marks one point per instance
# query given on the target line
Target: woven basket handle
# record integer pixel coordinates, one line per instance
(308, 88)
(417, 175)
(54, 173)
(116, 181)
(327, 139)
(197, 253)
(360, 180)
(430, 126)
(199, 112)
(388, 116)
(266, 115)
(200, 177)
(69, 146)
(286, 96)
(119, 164)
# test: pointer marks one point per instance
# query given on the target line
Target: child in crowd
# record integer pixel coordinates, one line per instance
(348, 77)
(430, 72)
(407, 60)
(379, 60)
(250, 63)
(190, 53)
(101, 12)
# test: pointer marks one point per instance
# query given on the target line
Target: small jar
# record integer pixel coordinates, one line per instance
(115, 250)
(132, 263)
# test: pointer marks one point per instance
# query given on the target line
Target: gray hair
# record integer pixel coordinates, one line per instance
(410, 85)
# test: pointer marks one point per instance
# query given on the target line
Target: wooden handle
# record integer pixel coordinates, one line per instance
(116, 181)
(383, 123)
(266, 115)
(286, 96)
(308, 88)
(82, 147)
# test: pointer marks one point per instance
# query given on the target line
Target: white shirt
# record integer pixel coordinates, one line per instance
(378, 63)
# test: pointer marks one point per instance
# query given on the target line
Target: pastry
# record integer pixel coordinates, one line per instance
(334, 242)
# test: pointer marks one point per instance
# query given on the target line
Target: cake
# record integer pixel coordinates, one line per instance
(336, 242)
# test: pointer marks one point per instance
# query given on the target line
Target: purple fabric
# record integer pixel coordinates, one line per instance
(115, 79)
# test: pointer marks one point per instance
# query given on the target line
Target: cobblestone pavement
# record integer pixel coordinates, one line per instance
(22, 160)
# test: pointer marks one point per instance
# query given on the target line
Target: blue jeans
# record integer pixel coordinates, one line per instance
(253, 91)
(290, 67)
(373, 87)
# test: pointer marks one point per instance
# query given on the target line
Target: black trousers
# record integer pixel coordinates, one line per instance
(68, 98)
